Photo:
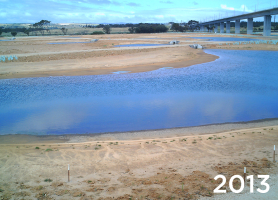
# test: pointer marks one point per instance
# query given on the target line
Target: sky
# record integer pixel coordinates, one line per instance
(125, 11)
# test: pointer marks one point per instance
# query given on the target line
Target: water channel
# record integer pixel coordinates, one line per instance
(239, 86)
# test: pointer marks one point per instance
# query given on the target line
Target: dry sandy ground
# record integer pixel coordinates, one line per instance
(37, 58)
(174, 167)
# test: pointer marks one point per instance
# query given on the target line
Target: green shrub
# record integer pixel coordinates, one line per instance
(97, 33)
(48, 150)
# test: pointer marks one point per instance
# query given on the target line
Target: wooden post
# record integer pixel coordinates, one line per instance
(274, 154)
(68, 173)
(244, 174)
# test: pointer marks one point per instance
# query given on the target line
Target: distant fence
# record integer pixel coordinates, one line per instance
(7, 58)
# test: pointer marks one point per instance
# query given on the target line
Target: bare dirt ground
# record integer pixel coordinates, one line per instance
(174, 167)
(36, 57)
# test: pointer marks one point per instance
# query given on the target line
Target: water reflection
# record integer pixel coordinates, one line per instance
(240, 86)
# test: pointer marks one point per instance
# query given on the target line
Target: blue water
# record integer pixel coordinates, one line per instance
(139, 45)
(225, 39)
(239, 86)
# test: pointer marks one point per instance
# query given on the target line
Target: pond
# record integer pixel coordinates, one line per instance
(225, 39)
(239, 86)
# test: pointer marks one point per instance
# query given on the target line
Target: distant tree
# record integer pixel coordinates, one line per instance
(175, 27)
(107, 29)
(0, 31)
(131, 29)
(64, 30)
(151, 28)
(27, 31)
(14, 33)
(39, 26)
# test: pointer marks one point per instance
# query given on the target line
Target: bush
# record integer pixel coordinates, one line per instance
(14, 33)
(97, 33)
(151, 28)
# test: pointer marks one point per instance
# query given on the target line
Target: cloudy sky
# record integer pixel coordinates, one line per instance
(116, 11)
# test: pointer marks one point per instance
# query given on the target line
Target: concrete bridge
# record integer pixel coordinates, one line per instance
(263, 13)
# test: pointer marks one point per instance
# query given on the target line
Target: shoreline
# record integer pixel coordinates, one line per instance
(139, 135)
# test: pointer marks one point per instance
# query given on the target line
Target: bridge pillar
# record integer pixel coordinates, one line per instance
(215, 28)
(237, 27)
(267, 25)
(221, 27)
(228, 25)
(210, 27)
(250, 26)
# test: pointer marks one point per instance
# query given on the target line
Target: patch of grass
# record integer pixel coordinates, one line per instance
(194, 142)
(96, 148)
(233, 136)
(48, 150)
(90, 181)
(37, 148)
(184, 139)
(48, 180)
(147, 142)
(1, 190)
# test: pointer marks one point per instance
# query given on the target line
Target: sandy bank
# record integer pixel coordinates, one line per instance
(159, 168)
(104, 62)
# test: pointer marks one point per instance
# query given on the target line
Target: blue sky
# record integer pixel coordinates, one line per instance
(116, 11)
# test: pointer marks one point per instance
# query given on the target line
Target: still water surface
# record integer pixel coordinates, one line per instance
(239, 86)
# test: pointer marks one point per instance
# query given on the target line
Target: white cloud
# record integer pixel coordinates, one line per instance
(244, 8)
(159, 16)
(226, 7)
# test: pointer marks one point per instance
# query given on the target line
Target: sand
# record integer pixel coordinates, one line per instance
(37, 58)
(161, 164)
(101, 167)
